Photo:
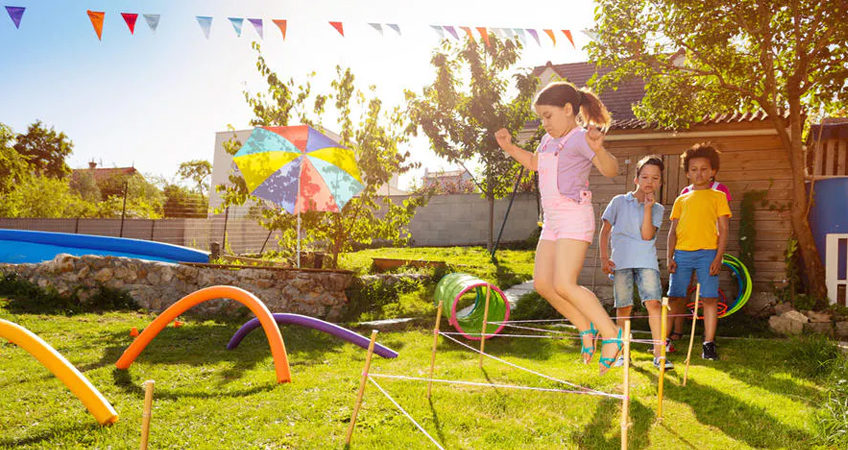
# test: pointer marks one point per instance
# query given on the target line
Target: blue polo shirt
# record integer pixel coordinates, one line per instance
(629, 250)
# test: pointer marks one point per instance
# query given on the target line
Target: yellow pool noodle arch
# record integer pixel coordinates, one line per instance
(96, 404)
(272, 331)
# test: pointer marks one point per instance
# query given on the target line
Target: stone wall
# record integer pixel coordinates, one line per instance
(157, 285)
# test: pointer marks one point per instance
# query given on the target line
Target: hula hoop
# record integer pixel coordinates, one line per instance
(744, 287)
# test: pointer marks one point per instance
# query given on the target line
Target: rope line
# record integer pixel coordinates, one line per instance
(577, 386)
(406, 413)
(508, 386)
(543, 336)
(568, 321)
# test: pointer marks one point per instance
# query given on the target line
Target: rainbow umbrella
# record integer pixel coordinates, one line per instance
(299, 169)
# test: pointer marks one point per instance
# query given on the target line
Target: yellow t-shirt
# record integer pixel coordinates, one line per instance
(698, 213)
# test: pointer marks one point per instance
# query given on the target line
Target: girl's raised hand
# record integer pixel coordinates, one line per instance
(503, 137)
(595, 139)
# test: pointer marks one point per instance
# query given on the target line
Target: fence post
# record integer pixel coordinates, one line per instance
(226, 218)
(124, 209)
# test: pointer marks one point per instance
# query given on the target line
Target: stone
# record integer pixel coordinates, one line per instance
(796, 316)
(785, 326)
(781, 308)
(816, 316)
(761, 304)
(841, 330)
(103, 275)
(823, 328)
(63, 263)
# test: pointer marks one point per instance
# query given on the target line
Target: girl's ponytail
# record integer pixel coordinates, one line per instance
(593, 111)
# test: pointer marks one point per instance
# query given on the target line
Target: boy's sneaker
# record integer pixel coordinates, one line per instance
(669, 346)
(668, 364)
(709, 351)
(619, 362)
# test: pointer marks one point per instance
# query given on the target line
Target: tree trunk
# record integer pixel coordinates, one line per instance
(813, 267)
(491, 241)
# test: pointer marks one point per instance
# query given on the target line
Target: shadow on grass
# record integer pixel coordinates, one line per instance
(123, 380)
(594, 433)
(44, 435)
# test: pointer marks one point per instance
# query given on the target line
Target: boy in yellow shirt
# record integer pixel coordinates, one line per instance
(697, 239)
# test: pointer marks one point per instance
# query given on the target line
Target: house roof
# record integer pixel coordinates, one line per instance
(104, 173)
(446, 173)
(620, 102)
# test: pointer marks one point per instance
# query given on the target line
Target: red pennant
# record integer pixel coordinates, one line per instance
(129, 18)
(467, 31)
(338, 27)
(567, 34)
(97, 22)
(551, 34)
(282, 25)
(485, 35)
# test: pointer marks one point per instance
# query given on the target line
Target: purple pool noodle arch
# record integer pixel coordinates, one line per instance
(315, 324)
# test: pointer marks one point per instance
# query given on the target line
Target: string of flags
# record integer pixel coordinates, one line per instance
(97, 18)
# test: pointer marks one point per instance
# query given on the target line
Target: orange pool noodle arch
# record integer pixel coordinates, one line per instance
(76, 382)
(272, 332)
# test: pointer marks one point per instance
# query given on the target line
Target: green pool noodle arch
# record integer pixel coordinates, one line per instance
(450, 290)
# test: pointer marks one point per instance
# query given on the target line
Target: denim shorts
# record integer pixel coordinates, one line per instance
(698, 261)
(647, 282)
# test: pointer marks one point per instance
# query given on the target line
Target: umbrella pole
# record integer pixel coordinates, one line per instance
(298, 239)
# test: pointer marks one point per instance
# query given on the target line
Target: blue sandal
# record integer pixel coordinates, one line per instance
(588, 350)
(607, 362)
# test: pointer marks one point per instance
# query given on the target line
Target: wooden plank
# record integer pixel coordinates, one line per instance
(830, 152)
(841, 168)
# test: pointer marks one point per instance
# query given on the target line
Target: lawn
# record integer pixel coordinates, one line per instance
(208, 397)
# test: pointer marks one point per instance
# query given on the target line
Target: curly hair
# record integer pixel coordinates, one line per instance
(702, 150)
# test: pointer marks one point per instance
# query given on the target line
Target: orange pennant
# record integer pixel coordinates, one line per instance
(485, 35)
(338, 27)
(551, 34)
(97, 22)
(467, 31)
(567, 34)
(282, 24)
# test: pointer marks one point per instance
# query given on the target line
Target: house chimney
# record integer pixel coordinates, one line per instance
(92, 165)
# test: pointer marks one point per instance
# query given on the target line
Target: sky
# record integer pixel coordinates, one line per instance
(154, 100)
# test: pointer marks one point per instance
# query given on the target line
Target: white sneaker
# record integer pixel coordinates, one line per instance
(619, 362)
(668, 364)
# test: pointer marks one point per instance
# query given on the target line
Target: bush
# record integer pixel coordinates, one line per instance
(533, 307)
(26, 297)
(831, 420)
(813, 356)
(386, 298)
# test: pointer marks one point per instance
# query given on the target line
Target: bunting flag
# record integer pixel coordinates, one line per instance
(97, 22)
(338, 27)
(281, 24)
(567, 34)
(467, 31)
(16, 13)
(130, 19)
(257, 24)
(438, 29)
(520, 33)
(395, 27)
(377, 27)
(535, 35)
(152, 21)
(452, 31)
(485, 35)
(592, 35)
(551, 34)
(237, 23)
(205, 23)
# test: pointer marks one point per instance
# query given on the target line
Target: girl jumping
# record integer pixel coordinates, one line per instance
(564, 159)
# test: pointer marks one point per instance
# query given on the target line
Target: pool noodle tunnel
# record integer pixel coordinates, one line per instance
(75, 381)
(450, 290)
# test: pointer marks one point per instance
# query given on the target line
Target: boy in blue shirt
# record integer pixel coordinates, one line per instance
(630, 223)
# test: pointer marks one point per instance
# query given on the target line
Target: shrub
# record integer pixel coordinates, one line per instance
(26, 297)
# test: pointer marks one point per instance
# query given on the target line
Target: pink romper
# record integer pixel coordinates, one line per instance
(564, 217)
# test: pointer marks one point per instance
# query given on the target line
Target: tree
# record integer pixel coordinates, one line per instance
(13, 167)
(182, 202)
(44, 197)
(45, 150)
(467, 102)
(197, 171)
(703, 57)
(375, 139)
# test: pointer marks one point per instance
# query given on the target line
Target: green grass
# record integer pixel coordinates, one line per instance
(208, 397)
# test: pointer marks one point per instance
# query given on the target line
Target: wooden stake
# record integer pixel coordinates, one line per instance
(145, 415)
(625, 402)
(485, 324)
(692, 336)
(435, 343)
(663, 329)
(362, 384)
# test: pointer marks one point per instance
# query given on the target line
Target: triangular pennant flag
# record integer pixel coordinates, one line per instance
(499, 32)
(485, 35)
(257, 24)
(152, 21)
(377, 27)
(452, 31)
(535, 35)
(567, 34)
(130, 19)
(338, 27)
(467, 31)
(205, 23)
(16, 13)
(282, 25)
(592, 35)
(438, 29)
(551, 34)
(520, 33)
(237, 23)
(97, 22)
(394, 26)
